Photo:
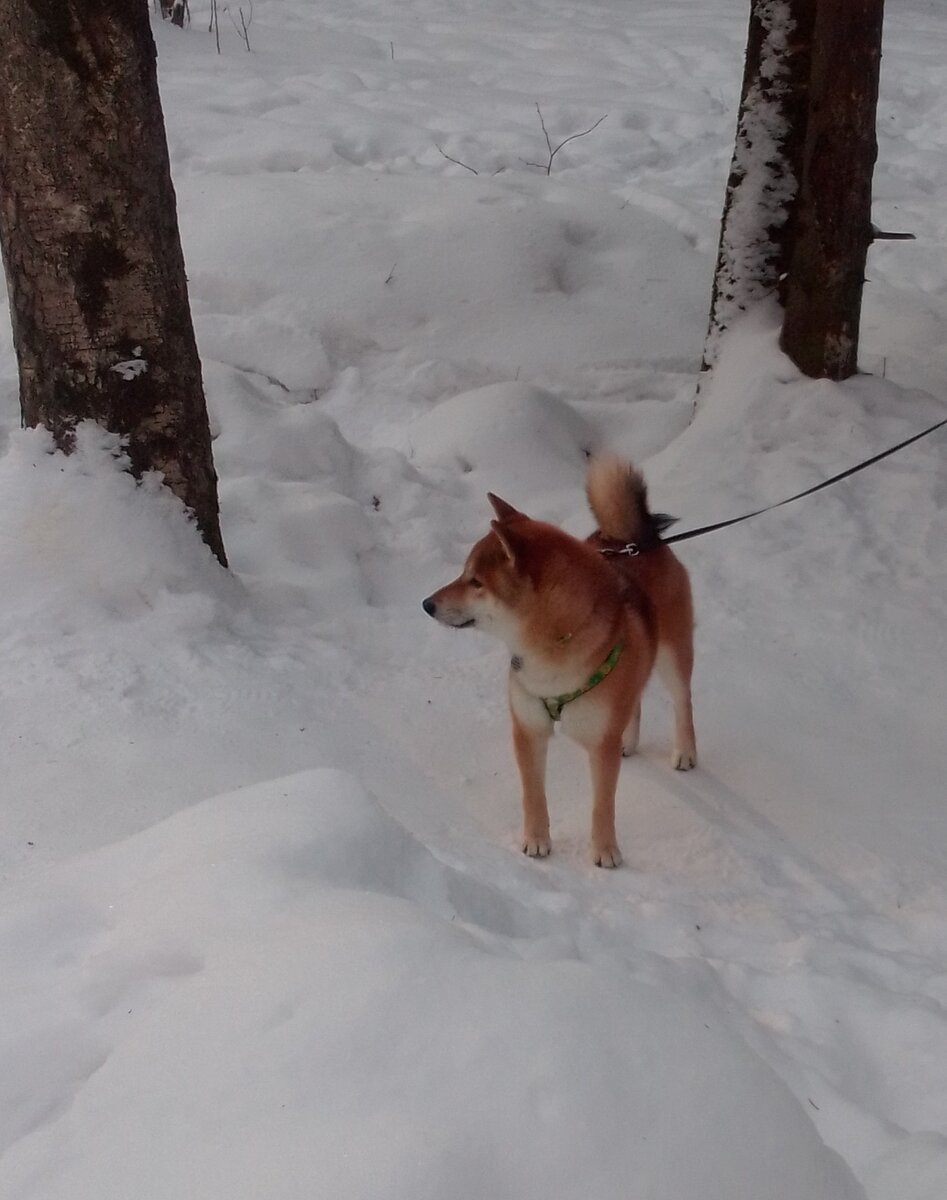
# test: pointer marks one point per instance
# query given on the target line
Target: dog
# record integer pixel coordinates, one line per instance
(585, 622)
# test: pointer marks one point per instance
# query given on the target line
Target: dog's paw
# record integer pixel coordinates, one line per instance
(606, 856)
(629, 747)
(536, 847)
(683, 760)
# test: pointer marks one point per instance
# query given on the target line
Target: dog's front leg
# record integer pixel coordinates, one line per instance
(530, 743)
(531, 748)
(605, 761)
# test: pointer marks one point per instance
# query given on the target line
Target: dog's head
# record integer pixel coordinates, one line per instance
(487, 592)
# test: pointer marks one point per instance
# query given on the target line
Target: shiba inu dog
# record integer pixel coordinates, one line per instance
(585, 623)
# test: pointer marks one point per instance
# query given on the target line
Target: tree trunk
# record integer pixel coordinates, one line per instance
(827, 269)
(756, 231)
(88, 229)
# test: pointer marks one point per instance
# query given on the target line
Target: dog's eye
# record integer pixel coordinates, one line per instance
(475, 583)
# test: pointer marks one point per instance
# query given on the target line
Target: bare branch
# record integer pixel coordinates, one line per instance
(547, 166)
(214, 26)
(457, 161)
(880, 235)
(545, 132)
(243, 29)
(573, 136)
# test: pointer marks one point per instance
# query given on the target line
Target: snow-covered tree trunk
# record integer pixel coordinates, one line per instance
(88, 229)
(827, 268)
(756, 229)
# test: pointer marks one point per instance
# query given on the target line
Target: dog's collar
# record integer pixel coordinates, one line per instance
(555, 704)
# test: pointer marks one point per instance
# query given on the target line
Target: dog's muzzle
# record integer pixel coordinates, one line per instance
(447, 616)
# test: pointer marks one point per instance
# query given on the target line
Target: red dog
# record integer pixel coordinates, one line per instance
(585, 623)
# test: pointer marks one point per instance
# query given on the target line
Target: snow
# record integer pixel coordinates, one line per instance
(286, 968)
(264, 930)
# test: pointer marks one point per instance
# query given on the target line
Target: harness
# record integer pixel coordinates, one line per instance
(555, 704)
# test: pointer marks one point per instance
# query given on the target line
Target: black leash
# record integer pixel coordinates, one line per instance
(692, 533)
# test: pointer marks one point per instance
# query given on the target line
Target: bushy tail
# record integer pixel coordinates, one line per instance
(618, 498)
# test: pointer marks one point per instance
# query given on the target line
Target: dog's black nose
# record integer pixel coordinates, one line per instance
(429, 606)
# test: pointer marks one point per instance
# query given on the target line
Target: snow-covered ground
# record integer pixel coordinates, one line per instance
(264, 930)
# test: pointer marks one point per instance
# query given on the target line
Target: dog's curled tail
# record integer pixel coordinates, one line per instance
(618, 498)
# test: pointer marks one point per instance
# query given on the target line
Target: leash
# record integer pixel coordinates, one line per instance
(632, 550)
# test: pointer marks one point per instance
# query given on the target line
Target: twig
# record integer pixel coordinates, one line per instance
(880, 235)
(457, 161)
(214, 26)
(547, 166)
(243, 29)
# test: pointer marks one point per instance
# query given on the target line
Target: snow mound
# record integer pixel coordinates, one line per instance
(288, 497)
(82, 540)
(504, 274)
(313, 1016)
(518, 439)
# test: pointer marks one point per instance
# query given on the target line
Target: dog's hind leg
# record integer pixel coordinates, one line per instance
(674, 664)
(629, 739)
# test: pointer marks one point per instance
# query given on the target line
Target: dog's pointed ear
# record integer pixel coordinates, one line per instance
(504, 511)
(509, 539)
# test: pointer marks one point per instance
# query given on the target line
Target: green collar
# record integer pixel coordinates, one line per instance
(555, 704)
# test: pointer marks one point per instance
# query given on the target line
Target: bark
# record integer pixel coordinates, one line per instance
(827, 268)
(756, 231)
(88, 229)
